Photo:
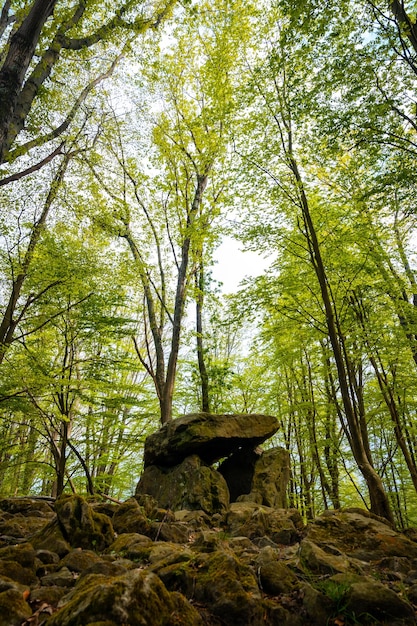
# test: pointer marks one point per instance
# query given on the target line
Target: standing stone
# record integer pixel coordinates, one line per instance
(271, 477)
(190, 485)
(257, 476)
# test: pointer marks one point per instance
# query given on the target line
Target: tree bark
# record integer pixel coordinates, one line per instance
(205, 396)
(378, 498)
(180, 297)
(12, 74)
(403, 20)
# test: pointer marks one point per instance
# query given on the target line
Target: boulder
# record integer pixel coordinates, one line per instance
(131, 546)
(271, 477)
(13, 608)
(247, 519)
(81, 525)
(191, 485)
(275, 577)
(229, 588)
(137, 597)
(15, 571)
(258, 476)
(318, 561)
(360, 535)
(211, 437)
(318, 606)
(371, 599)
(51, 538)
(131, 518)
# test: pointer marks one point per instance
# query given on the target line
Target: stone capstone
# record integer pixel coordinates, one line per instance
(211, 437)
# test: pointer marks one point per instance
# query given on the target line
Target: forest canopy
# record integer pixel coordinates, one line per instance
(135, 138)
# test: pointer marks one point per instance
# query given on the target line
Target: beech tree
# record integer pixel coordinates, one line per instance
(176, 207)
(36, 54)
(35, 48)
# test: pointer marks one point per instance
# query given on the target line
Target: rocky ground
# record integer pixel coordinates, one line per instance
(79, 563)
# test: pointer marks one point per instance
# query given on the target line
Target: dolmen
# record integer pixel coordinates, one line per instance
(206, 461)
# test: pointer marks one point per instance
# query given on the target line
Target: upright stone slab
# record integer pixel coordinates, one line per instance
(190, 485)
(258, 476)
(211, 437)
(271, 477)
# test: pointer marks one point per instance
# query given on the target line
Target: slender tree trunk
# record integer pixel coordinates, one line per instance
(9, 321)
(205, 397)
(332, 445)
(180, 297)
(378, 498)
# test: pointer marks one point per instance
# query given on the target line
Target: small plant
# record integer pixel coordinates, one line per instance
(334, 590)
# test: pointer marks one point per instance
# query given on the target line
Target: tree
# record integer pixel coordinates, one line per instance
(179, 203)
(275, 80)
(22, 75)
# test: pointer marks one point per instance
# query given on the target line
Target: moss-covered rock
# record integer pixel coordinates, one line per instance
(63, 577)
(20, 526)
(15, 571)
(13, 608)
(276, 615)
(170, 531)
(51, 538)
(28, 507)
(191, 485)
(318, 607)
(81, 525)
(254, 521)
(50, 595)
(317, 561)
(277, 578)
(79, 560)
(360, 535)
(136, 598)
(131, 546)
(370, 600)
(24, 554)
(130, 518)
(229, 587)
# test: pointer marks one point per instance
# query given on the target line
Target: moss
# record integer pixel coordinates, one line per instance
(16, 572)
(137, 597)
(13, 608)
(229, 588)
(23, 554)
(81, 525)
(51, 538)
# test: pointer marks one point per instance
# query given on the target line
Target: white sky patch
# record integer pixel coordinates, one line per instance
(234, 264)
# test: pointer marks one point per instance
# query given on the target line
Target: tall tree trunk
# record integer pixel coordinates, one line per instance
(180, 297)
(378, 498)
(12, 74)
